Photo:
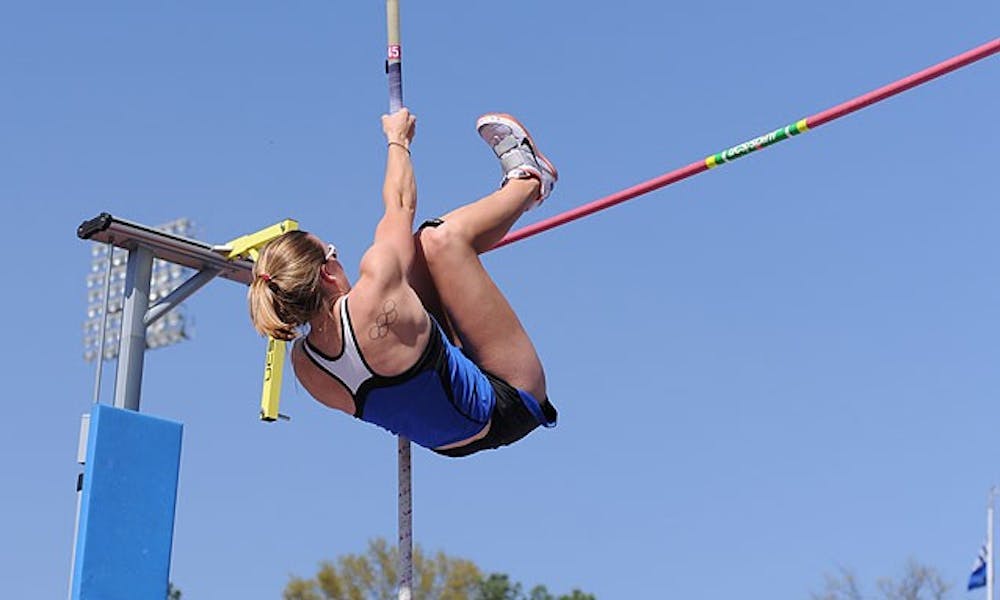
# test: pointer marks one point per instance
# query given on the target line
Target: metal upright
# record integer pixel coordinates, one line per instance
(128, 380)
(989, 542)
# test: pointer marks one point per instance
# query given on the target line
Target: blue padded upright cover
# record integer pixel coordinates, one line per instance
(126, 523)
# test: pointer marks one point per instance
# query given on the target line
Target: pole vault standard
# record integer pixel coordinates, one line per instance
(394, 72)
(757, 143)
(127, 493)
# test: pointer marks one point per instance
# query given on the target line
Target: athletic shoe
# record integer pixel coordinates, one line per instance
(519, 159)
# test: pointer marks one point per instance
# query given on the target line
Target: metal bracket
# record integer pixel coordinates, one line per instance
(248, 247)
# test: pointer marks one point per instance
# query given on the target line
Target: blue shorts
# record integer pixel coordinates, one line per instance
(516, 413)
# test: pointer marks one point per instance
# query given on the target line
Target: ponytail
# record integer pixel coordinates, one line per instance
(285, 291)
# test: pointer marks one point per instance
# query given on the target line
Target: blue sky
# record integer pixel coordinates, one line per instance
(764, 372)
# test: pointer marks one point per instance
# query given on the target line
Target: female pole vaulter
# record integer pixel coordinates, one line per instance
(423, 344)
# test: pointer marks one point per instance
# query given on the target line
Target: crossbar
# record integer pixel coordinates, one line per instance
(757, 143)
(166, 246)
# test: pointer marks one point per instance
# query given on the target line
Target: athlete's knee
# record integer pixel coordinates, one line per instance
(441, 240)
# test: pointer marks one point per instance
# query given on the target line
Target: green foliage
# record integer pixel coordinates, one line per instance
(919, 582)
(577, 595)
(498, 586)
(172, 592)
(373, 576)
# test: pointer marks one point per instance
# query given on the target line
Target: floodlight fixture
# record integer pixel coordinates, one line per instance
(106, 298)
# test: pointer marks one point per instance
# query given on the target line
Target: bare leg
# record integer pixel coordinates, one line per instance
(487, 220)
(421, 282)
(502, 208)
(490, 331)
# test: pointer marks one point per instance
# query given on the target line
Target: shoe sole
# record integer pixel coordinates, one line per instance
(510, 120)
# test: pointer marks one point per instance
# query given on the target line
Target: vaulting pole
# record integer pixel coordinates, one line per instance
(758, 143)
(394, 72)
(394, 56)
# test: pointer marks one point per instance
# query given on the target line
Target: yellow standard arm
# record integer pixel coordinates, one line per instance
(248, 246)
(274, 366)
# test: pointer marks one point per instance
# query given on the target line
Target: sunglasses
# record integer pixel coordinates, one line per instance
(331, 252)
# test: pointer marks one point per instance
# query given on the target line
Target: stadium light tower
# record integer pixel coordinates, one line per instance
(105, 298)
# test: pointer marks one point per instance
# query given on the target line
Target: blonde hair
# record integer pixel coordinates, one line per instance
(285, 291)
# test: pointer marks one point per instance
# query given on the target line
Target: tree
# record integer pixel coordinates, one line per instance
(539, 592)
(919, 582)
(172, 592)
(499, 587)
(373, 576)
(843, 586)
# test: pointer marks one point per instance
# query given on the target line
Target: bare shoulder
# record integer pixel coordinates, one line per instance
(380, 265)
(389, 322)
(386, 307)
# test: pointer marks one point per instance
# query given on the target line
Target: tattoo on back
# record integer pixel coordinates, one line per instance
(384, 319)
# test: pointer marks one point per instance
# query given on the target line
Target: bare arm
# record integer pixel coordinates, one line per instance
(393, 251)
(400, 187)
